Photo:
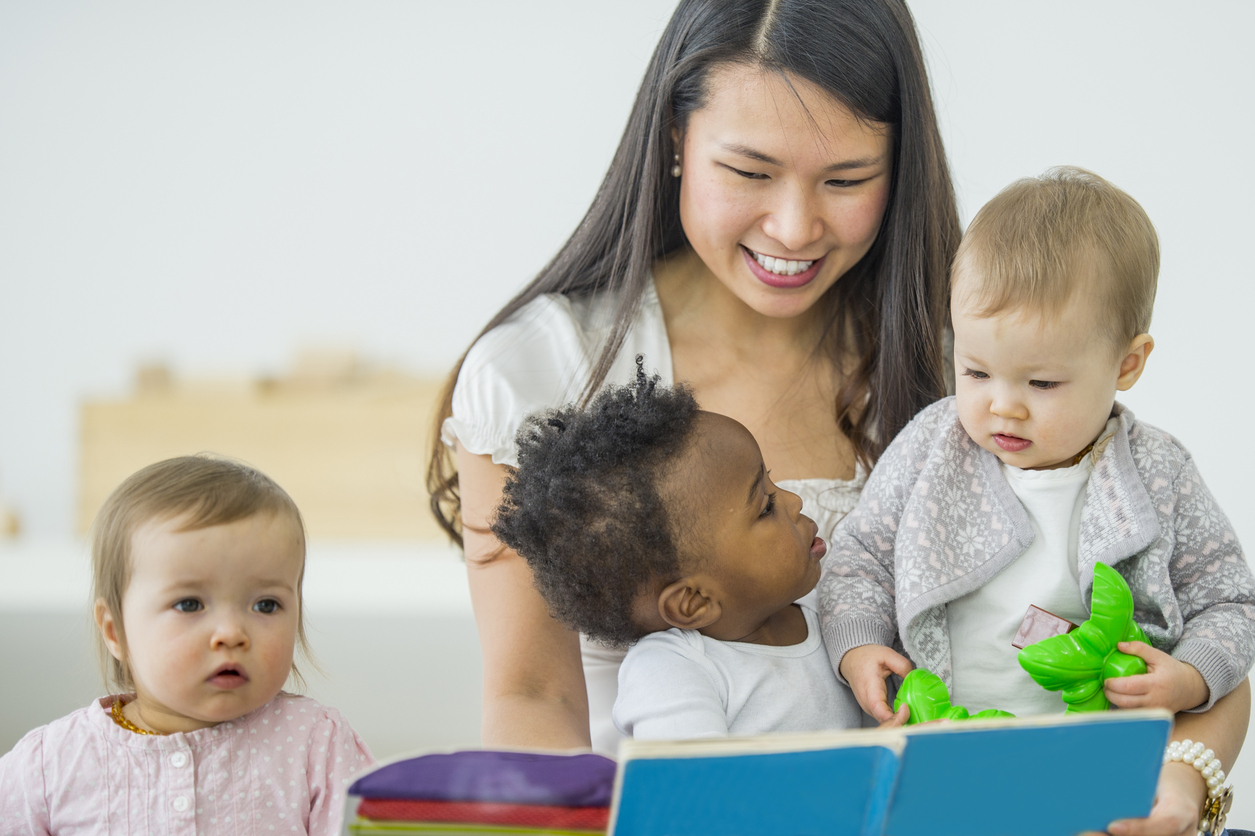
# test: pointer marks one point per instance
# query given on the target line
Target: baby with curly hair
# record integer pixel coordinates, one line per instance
(648, 522)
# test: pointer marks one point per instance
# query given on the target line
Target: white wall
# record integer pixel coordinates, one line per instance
(216, 184)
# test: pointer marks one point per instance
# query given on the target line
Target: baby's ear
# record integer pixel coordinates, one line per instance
(687, 605)
(108, 628)
(1134, 362)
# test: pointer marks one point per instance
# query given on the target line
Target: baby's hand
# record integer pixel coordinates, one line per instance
(1167, 683)
(865, 667)
(899, 719)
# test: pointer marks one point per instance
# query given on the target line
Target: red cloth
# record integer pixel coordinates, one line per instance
(482, 812)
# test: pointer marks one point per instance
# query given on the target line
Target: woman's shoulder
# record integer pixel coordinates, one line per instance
(542, 357)
(544, 344)
(554, 328)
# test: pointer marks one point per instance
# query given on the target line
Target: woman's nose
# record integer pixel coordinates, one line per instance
(794, 222)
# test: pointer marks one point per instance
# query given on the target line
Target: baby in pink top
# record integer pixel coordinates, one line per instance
(197, 565)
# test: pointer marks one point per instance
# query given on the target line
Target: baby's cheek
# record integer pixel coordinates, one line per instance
(280, 653)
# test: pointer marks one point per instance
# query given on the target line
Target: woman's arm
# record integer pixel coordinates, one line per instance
(533, 690)
(1179, 799)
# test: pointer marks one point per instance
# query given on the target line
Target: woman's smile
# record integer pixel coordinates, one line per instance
(780, 272)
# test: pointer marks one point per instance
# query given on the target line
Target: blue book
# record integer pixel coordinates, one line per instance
(1039, 776)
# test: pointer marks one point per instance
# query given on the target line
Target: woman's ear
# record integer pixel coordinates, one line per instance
(684, 604)
(1134, 362)
(677, 147)
(108, 629)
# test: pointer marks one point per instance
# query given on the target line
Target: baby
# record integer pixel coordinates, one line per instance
(197, 565)
(650, 523)
(1007, 494)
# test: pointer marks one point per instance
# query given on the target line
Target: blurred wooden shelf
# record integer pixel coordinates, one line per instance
(349, 444)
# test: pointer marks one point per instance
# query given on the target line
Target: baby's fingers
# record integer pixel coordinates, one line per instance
(1129, 700)
(1145, 652)
(1130, 685)
(899, 719)
(897, 663)
(869, 691)
(877, 706)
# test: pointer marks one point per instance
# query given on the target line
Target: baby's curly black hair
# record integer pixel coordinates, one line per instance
(583, 507)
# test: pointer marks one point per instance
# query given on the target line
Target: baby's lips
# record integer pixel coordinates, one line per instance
(229, 670)
(818, 548)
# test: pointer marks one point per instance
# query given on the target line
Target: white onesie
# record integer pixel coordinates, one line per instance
(681, 684)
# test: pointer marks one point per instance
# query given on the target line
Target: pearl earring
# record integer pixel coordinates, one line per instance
(675, 169)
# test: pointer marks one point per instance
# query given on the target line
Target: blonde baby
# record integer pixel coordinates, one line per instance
(1008, 494)
(197, 566)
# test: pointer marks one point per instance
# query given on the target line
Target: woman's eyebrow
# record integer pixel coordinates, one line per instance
(746, 151)
(753, 154)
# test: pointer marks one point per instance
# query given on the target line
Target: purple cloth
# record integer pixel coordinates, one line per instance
(501, 777)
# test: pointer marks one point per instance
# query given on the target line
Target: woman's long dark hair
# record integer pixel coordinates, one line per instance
(864, 53)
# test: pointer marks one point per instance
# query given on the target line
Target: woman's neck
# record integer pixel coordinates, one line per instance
(765, 372)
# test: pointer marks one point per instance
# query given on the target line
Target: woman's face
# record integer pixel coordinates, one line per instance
(782, 188)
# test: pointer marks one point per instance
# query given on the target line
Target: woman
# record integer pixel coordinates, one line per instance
(775, 230)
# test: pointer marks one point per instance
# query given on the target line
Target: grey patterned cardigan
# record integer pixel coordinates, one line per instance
(937, 520)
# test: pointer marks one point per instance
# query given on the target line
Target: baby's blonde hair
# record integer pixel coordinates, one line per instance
(210, 491)
(1037, 242)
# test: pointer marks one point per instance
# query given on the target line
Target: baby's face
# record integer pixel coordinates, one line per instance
(211, 617)
(1033, 391)
(760, 550)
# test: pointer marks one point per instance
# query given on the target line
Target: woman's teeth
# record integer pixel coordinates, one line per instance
(780, 266)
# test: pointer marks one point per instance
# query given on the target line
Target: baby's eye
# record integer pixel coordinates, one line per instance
(975, 375)
(267, 606)
(189, 605)
(1043, 384)
(771, 505)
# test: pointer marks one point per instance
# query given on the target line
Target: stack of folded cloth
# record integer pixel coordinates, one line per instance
(486, 792)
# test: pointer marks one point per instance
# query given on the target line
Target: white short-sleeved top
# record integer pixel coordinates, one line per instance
(541, 358)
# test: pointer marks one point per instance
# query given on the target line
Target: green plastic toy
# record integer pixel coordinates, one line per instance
(1077, 663)
(928, 699)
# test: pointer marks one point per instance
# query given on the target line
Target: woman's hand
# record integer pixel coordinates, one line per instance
(1177, 808)
(534, 693)
(1181, 790)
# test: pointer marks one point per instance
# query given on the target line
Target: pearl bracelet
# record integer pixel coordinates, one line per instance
(1201, 758)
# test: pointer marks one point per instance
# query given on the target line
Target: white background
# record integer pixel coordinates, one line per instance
(217, 184)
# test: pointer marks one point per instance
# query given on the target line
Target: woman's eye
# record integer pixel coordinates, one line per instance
(188, 605)
(1043, 384)
(749, 175)
(844, 184)
(267, 606)
(975, 375)
(771, 505)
